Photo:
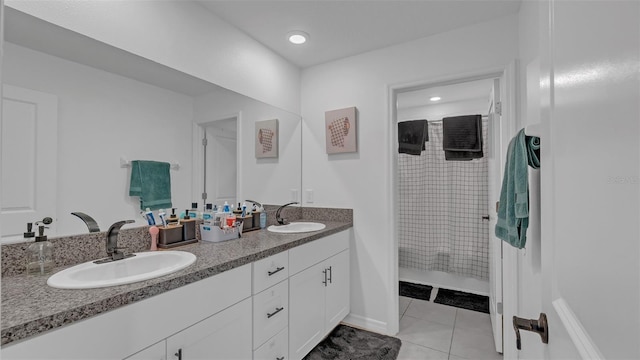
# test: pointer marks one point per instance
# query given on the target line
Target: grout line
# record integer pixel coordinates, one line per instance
(453, 331)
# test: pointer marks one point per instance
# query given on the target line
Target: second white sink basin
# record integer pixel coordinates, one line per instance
(143, 266)
(296, 227)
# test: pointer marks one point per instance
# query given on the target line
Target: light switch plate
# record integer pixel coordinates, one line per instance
(294, 194)
(309, 195)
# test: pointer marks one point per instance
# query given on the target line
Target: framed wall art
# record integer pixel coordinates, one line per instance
(341, 130)
(267, 139)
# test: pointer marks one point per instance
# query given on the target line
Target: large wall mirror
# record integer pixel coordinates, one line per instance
(76, 112)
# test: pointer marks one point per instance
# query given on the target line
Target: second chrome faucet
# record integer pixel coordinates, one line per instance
(279, 219)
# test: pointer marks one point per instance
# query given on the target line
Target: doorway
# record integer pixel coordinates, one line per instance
(498, 109)
(219, 161)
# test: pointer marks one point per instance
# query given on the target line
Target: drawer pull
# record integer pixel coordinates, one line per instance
(275, 271)
(275, 312)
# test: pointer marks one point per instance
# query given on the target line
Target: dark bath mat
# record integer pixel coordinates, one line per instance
(463, 300)
(416, 291)
(347, 343)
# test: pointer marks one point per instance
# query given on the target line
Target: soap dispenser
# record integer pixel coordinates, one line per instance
(40, 254)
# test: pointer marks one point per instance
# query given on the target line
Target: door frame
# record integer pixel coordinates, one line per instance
(509, 262)
(197, 181)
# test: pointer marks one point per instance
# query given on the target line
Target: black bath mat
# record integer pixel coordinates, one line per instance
(416, 291)
(347, 343)
(463, 300)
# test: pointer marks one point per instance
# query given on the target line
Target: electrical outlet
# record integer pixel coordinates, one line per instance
(309, 195)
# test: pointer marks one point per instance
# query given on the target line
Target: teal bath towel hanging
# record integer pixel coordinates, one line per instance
(151, 181)
(513, 210)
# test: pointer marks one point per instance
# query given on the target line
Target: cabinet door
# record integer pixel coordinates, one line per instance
(337, 295)
(157, 351)
(306, 310)
(225, 335)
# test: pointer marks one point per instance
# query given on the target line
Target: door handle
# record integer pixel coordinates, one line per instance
(539, 326)
(325, 277)
(485, 217)
(179, 354)
(330, 275)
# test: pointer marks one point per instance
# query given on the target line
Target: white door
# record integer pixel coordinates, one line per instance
(306, 310)
(156, 351)
(337, 290)
(590, 176)
(224, 336)
(495, 163)
(221, 183)
(29, 159)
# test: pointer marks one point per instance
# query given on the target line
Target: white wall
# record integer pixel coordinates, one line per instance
(361, 180)
(268, 180)
(182, 35)
(101, 117)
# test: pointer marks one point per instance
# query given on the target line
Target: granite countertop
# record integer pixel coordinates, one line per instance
(30, 306)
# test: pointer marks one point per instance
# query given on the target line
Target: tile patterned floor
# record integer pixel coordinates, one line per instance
(440, 332)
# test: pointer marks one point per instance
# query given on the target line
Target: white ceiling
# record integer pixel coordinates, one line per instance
(340, 29)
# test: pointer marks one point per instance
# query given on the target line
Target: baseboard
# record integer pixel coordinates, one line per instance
(578, 334)
(366, 324)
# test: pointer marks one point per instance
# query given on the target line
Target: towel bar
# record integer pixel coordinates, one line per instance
(126, 164)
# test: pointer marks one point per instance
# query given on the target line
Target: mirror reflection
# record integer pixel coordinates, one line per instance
(76, 113)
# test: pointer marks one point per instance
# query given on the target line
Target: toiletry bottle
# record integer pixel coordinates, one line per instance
(150, 219)
(244, 210)
(263, 218)
(238, 211)
(194, 213)
(208, 214)
(40, 254)
(226, 208)
(173, 218)
(163, 217)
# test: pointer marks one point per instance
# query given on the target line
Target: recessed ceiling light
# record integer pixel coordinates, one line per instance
(297, 37)
(435, 98)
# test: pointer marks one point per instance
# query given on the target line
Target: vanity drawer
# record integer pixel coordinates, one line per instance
(277, 348)
(270, 271)
(270, 312)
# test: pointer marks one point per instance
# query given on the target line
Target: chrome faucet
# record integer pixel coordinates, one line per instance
(113, 252)
(280, 220)
(92, 225)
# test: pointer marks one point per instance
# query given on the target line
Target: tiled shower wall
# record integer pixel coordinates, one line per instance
(441, 208)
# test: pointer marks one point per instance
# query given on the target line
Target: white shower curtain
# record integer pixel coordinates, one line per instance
(441, 208)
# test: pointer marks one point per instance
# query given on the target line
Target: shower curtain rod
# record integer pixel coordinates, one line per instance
(432, 121)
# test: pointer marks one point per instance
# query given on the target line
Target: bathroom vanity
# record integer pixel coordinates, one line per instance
(263, 296)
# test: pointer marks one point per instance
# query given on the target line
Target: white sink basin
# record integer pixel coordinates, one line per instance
(143, 266)
(296, 227)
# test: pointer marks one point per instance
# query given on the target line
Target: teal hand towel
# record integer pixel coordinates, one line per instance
(513, 211)
(151, 181)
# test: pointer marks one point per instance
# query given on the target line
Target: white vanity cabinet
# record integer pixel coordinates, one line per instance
(271, 307)
(221, 336)
(318, 291)
(223, 300)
